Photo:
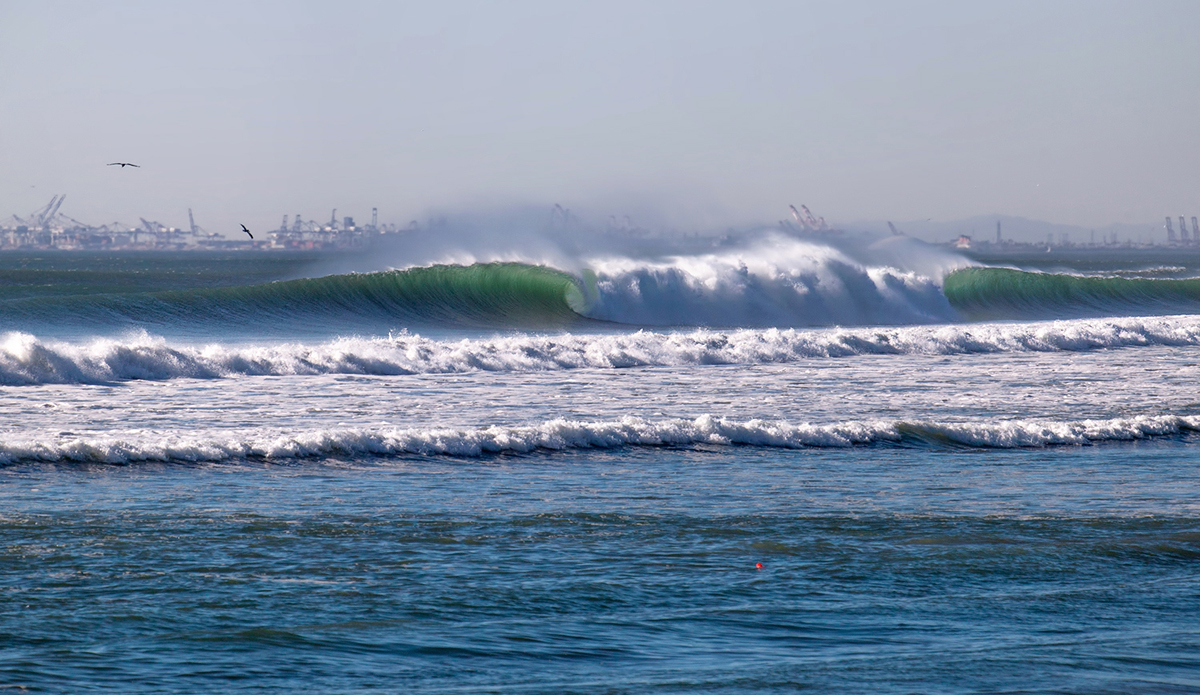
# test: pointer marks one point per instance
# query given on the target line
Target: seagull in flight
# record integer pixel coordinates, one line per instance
(247, 231)
(125, 164)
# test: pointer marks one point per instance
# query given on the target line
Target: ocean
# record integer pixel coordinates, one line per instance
(741, 464)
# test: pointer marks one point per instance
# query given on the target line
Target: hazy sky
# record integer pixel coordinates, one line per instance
(1075, 112)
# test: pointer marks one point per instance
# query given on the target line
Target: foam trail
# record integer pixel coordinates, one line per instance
(564, 435)
(26, 360)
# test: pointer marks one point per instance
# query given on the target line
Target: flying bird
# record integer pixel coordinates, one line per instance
(247, 231)
(125, 164)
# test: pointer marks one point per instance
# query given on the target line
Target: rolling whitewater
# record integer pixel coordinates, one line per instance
(535, 462)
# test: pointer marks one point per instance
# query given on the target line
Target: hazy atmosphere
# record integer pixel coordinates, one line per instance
(1076, 113)
(696, 347)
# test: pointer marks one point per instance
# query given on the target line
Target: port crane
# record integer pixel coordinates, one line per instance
(807, 222)
(39, 217)
(53, 210)
(198, 231)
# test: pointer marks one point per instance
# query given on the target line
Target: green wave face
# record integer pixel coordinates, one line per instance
(1001, 293)
(485, 295)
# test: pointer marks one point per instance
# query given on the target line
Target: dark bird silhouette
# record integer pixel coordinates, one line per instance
(247, 231)
(125, 164)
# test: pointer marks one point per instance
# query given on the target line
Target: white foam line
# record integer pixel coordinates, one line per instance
(24, 359)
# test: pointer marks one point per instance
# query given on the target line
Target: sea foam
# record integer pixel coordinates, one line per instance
(24, 359)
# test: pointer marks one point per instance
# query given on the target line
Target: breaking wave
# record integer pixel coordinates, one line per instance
(560, 435)
(776, 281)
(772, 282)
(698, 291)
(25, 359)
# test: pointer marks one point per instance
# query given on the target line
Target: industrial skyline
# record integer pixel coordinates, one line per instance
(700, 113)
(49, 227)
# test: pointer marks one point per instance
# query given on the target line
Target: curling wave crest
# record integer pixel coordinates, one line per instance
(24, 359)
(774, 281)
(561, 434)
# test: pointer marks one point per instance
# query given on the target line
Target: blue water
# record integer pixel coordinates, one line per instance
(884, 569)
(948, 508)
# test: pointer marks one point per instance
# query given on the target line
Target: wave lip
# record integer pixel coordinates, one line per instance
(565, 435)
(26, 360)
(774, 281)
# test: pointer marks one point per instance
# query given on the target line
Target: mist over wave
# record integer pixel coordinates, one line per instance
(754, 276)
(766, 275)
(517, 274)
(771, 280)
(536, 280)
(25, 359)
(562, 434)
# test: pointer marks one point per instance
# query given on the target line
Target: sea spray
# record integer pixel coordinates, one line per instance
(775, 280)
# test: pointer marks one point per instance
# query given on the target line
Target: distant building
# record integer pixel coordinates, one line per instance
(963, 242)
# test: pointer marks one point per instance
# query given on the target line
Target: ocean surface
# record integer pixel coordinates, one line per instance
(747, 464)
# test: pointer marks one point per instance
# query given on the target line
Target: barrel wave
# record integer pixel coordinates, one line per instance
(1003, 293)
(792, 284)
(491, 295)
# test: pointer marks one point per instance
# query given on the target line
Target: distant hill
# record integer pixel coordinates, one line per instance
(983, 227)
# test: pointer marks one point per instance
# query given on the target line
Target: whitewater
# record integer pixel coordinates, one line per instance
(516, 458)
(560, 434)
(24, 359)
